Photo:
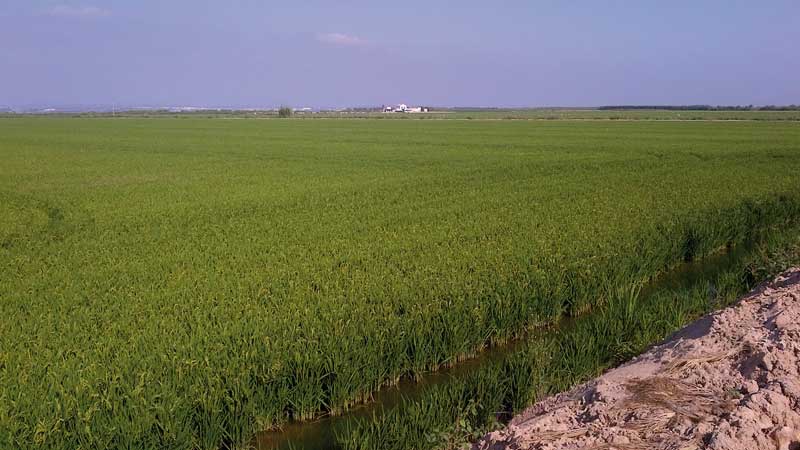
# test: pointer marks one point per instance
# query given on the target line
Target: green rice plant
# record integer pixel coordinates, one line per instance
(186, 283)
(624, 326)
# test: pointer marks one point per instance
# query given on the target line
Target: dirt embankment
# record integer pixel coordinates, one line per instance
(728, 381)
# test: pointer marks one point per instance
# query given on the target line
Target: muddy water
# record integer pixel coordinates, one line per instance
(320, 434)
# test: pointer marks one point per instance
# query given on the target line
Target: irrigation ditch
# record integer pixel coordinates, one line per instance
(688, 290)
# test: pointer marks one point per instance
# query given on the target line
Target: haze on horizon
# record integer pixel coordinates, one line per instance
(348, 53)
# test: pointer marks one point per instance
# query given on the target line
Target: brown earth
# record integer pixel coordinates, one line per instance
(729, 381)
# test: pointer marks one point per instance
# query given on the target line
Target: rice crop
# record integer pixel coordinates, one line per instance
(185, 283)
(578, 114)
(450, 415)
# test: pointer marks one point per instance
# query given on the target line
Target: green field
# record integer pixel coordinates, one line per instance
(564, 114)
(583, 114)
(184, 283)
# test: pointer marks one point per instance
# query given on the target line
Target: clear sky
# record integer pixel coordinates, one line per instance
(250, 53)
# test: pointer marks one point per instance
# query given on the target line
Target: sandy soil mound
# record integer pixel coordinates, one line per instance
(728, 381)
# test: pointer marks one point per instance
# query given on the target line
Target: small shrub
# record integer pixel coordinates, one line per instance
(284, 112)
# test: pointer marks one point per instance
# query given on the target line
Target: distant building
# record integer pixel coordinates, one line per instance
(403, 108)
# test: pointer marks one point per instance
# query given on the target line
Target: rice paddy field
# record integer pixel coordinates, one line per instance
(186, 283)
(587, 114)
(566, 114)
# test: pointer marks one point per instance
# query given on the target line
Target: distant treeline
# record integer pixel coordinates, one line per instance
(705, 107)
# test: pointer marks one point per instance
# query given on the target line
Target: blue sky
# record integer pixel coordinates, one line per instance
(250, 53)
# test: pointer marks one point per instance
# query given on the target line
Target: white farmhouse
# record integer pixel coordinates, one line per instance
(403, 108)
